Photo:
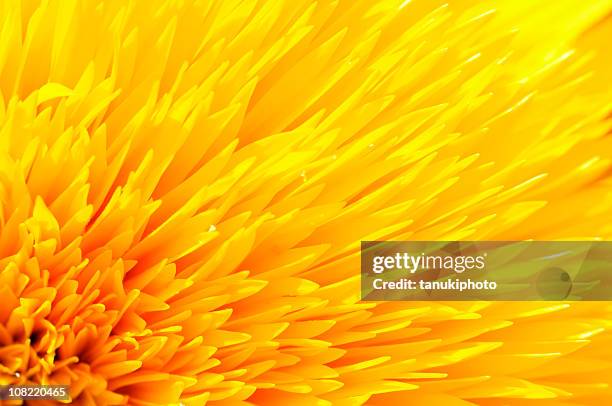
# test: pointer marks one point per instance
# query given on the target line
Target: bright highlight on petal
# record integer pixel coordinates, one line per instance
(184, 186)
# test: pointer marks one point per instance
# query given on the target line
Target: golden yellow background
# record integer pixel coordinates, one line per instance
(184, 185)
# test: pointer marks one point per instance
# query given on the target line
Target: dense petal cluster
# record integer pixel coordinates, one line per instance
(184, 186)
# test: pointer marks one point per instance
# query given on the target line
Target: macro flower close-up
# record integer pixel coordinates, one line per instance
(185, 186)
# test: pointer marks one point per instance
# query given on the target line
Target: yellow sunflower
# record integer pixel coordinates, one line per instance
(184, 186)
